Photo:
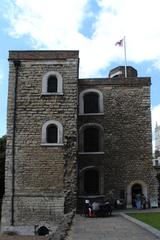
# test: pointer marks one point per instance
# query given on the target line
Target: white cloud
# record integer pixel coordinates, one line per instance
(49, 23)
(55, 24)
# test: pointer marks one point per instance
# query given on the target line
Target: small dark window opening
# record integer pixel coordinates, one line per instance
(91, 139)
(52, 133)
(91, 182)
(42, 231)
(52, 84)
(91, 102)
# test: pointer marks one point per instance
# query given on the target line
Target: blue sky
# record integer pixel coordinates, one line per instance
(90, 26)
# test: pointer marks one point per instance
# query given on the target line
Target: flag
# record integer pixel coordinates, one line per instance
(122, 43)
(119, 43)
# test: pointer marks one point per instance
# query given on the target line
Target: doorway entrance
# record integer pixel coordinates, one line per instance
(91, 182)
(136, 189)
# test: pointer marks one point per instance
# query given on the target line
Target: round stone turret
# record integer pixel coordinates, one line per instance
(119, 72)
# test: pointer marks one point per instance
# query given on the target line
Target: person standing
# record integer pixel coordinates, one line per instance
(138, 201)
(95, 207)
(143, 201)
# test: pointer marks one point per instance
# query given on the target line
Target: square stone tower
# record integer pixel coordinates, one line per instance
(40, 184)
(115, 139)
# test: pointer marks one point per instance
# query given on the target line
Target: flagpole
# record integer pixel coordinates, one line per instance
(124, 40)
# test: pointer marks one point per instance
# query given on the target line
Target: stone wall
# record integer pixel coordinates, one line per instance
(45, 176)
(126, 121)
(41, 179)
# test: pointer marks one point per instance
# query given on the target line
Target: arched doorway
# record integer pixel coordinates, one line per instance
(136, 189)
(91, 182)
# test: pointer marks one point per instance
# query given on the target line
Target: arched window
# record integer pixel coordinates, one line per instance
(52, 133)
(52, 83)
(91, 138)
(91, 102)
(91, 180)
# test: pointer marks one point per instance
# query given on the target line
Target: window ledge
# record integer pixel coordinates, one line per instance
(52, 94)
(52, 144)
(91, 114)
(94, 153)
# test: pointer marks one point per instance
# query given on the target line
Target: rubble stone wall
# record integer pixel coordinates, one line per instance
(45, 176)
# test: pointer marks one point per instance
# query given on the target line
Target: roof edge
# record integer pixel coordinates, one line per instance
(43, 55)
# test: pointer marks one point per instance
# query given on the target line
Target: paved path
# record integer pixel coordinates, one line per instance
(111, 228)
(6, 237)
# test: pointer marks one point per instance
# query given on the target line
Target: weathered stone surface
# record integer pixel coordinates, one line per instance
(42, 181)
(43, 174)
(127, 156)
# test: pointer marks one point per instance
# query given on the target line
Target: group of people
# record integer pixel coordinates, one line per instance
(97, 209)
(140, 201)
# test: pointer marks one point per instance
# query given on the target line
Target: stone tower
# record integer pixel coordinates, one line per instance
(69, 139)
(41, 139)
(115, 141)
